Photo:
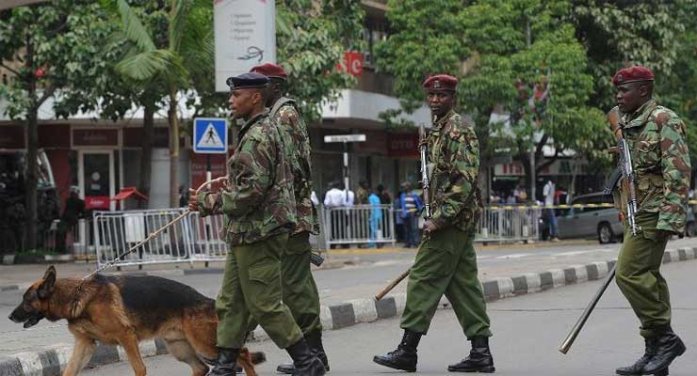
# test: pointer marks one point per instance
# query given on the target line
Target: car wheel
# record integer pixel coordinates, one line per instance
(691, 229)
(605, 234)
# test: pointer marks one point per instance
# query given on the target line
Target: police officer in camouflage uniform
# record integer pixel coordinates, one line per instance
(446, 262)
(259, 213)
(657, 144)
(299, 289)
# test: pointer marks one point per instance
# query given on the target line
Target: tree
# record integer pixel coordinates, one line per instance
(311, 40)
(620, 33)
(519, 56)
(45, 48)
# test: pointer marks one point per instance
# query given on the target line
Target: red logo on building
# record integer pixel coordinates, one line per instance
(352, 63)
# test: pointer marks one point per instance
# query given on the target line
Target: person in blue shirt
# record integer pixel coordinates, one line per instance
(411, 206)
(375, 217)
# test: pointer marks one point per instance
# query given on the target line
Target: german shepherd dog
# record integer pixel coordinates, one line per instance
(124, 310)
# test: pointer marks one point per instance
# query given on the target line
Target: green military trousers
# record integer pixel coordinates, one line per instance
(299, 289)
(446, 264)
(639, 278)
(252, 290)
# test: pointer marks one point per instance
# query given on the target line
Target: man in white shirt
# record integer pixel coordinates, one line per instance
(337, 197)
(549, 192)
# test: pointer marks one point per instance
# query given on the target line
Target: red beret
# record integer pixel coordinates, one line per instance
(632, 74)
(440, 82)
(270, 70)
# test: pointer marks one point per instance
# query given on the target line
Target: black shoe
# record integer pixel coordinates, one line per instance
(479, 360)
(404, 357)
(668, 347)
(226, 364)
(314, 341)
(305, 363)
(638, 367)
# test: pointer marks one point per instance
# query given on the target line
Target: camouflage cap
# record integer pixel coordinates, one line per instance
(632, 74)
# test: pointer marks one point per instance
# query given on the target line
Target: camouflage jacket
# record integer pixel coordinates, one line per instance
(661, 162)
(258, 201)
(454, 163)
(297, 153)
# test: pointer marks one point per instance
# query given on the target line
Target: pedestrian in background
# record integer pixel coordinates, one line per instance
(334, 199)
(385, 199)
(72, 213)
(411, 206)
(375, 218)
(549, 193)
(446, 262)
(657, 144)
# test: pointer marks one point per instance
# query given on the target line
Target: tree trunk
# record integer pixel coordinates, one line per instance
(146, 152)
(173, 150)
(30, 182)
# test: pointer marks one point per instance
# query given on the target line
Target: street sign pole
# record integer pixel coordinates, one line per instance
(345, 139)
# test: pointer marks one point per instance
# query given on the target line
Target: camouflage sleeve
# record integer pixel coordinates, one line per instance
(462, 155)
(251, 174)
(675, 164)
(209, 203)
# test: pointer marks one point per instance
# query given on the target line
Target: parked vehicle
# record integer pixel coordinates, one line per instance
(601, 222)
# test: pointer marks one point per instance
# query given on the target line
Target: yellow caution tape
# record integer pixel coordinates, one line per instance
(579, 206)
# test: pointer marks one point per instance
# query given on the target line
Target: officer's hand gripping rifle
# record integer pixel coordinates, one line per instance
(627, 172)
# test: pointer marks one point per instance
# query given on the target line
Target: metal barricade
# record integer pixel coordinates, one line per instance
(359, 224)
(508, 224)
(191, 239)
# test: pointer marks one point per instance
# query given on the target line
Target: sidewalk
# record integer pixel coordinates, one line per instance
(44, 349)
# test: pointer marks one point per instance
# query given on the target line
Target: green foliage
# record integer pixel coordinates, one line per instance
(492, 46)
(62, 38)
(311, 40)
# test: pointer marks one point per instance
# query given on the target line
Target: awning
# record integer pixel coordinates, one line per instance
(127, 192)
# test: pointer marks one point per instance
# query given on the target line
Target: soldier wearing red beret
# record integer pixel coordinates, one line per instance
(446, 263)
(299, 288)
(656, 142)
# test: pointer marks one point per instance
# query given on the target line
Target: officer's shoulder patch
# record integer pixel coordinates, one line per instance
(287, 113)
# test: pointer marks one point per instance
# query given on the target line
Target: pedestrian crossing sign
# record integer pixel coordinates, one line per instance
(210, 136)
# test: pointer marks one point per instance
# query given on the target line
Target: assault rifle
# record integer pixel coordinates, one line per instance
(423, 149)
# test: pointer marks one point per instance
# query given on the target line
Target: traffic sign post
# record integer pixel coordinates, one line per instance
(345, 139)
(210, 137)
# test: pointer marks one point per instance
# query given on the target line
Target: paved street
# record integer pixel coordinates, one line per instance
(528, 331)
(365, 272)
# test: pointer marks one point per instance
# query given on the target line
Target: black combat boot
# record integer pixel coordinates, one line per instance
(479, 360)
(314, 341)
(668, 347)
(638, 367)
(305, 363)
(404, 357)
(226, 363)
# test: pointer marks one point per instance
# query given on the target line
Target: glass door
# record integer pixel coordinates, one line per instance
(96, 179)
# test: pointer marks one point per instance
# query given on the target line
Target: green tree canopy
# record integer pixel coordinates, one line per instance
(46, 48)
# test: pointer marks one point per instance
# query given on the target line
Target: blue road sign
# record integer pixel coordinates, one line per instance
(210, 136)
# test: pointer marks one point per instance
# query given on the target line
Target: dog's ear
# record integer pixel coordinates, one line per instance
(46, 288)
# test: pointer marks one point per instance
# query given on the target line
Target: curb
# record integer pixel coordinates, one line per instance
(50, 361)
